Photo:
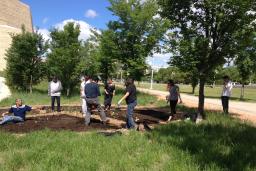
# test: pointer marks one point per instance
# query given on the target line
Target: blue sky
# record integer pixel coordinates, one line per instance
(88, 13)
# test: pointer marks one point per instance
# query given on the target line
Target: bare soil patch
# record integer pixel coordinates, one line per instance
(73, 121)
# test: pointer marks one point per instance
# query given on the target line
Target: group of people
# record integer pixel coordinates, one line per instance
(90, 91)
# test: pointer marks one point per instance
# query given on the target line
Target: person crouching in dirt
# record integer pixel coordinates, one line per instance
(131, 101)
(173, 97)
(92, 91)
(109, 93)
(18, 112)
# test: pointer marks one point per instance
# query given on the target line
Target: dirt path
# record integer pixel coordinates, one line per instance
(4, 90)
(243, 110)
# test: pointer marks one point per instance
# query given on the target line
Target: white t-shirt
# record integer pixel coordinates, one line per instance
(227, 89)
(83, 83)
(55, 88)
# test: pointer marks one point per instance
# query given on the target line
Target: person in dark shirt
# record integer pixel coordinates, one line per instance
(18, 111)
(109, 93)
(173, 97)
(92, 91)
(131, 101)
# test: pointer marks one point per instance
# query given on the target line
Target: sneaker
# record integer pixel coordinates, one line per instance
(169, 119)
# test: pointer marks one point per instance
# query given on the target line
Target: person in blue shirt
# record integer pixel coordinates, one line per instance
(92, 91)
(18, 112)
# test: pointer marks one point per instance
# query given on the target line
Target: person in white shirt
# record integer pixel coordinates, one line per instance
(54, 90)
(226, 93)
(84, 80)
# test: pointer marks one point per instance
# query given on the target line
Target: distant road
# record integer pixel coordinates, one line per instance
(4, 90)
(244, 110)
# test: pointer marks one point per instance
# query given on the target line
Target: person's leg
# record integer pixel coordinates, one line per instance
(174, 106)
(223, 103)
(84, 107)
(173, 110)
(227, 104)
(52, 102)
(88, 114)
(130, 121)
(101, 110)
(58, 103)
(7, 119)
(16, 119)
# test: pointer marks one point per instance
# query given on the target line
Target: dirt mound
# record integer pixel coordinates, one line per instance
(72, 122)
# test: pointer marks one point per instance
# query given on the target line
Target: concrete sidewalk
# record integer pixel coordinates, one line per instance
(236, 107)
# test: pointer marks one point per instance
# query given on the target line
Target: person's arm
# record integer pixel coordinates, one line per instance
(8, 112)
(106, 91)
(178, 91)
(124, 97)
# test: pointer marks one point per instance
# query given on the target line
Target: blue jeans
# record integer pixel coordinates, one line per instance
(7, 119)
(129, 117)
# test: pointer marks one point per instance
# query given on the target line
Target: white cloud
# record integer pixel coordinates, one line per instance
(45, 33)
(85, 28)
(45, 20)
(159, 60)
(91, 13)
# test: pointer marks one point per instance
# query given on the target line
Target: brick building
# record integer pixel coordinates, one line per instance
(13, 14)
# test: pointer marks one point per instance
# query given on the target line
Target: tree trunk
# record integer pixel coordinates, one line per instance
(68, 92)
(242, 92)
(201, 97)
(193, 89)
(31, 84)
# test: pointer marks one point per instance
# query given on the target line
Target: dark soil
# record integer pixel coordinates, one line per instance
(73, 123)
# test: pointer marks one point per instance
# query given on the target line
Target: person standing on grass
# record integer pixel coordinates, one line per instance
(173, 97)
(92, 91)
(131, 101)
(18, 112)
(226, 93)
(84, 80)
(109, 93)
(54, 90)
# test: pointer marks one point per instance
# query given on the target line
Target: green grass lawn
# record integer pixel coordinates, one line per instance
(40, 97)
(250, 94)
(219, 143)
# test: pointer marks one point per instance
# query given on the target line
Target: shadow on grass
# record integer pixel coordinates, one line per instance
(221, 141)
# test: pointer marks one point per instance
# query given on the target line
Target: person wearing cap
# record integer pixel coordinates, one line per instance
(17, 111)
(226, 93)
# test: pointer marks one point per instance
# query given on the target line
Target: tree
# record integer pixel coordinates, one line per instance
(107, 58)
(24, 60)
(136, 33)
(203, 33)
(245, 54)
(65, 56)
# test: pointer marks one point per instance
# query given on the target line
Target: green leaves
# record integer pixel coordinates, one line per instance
(65, 57)
(136, 33)
(24, 60)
